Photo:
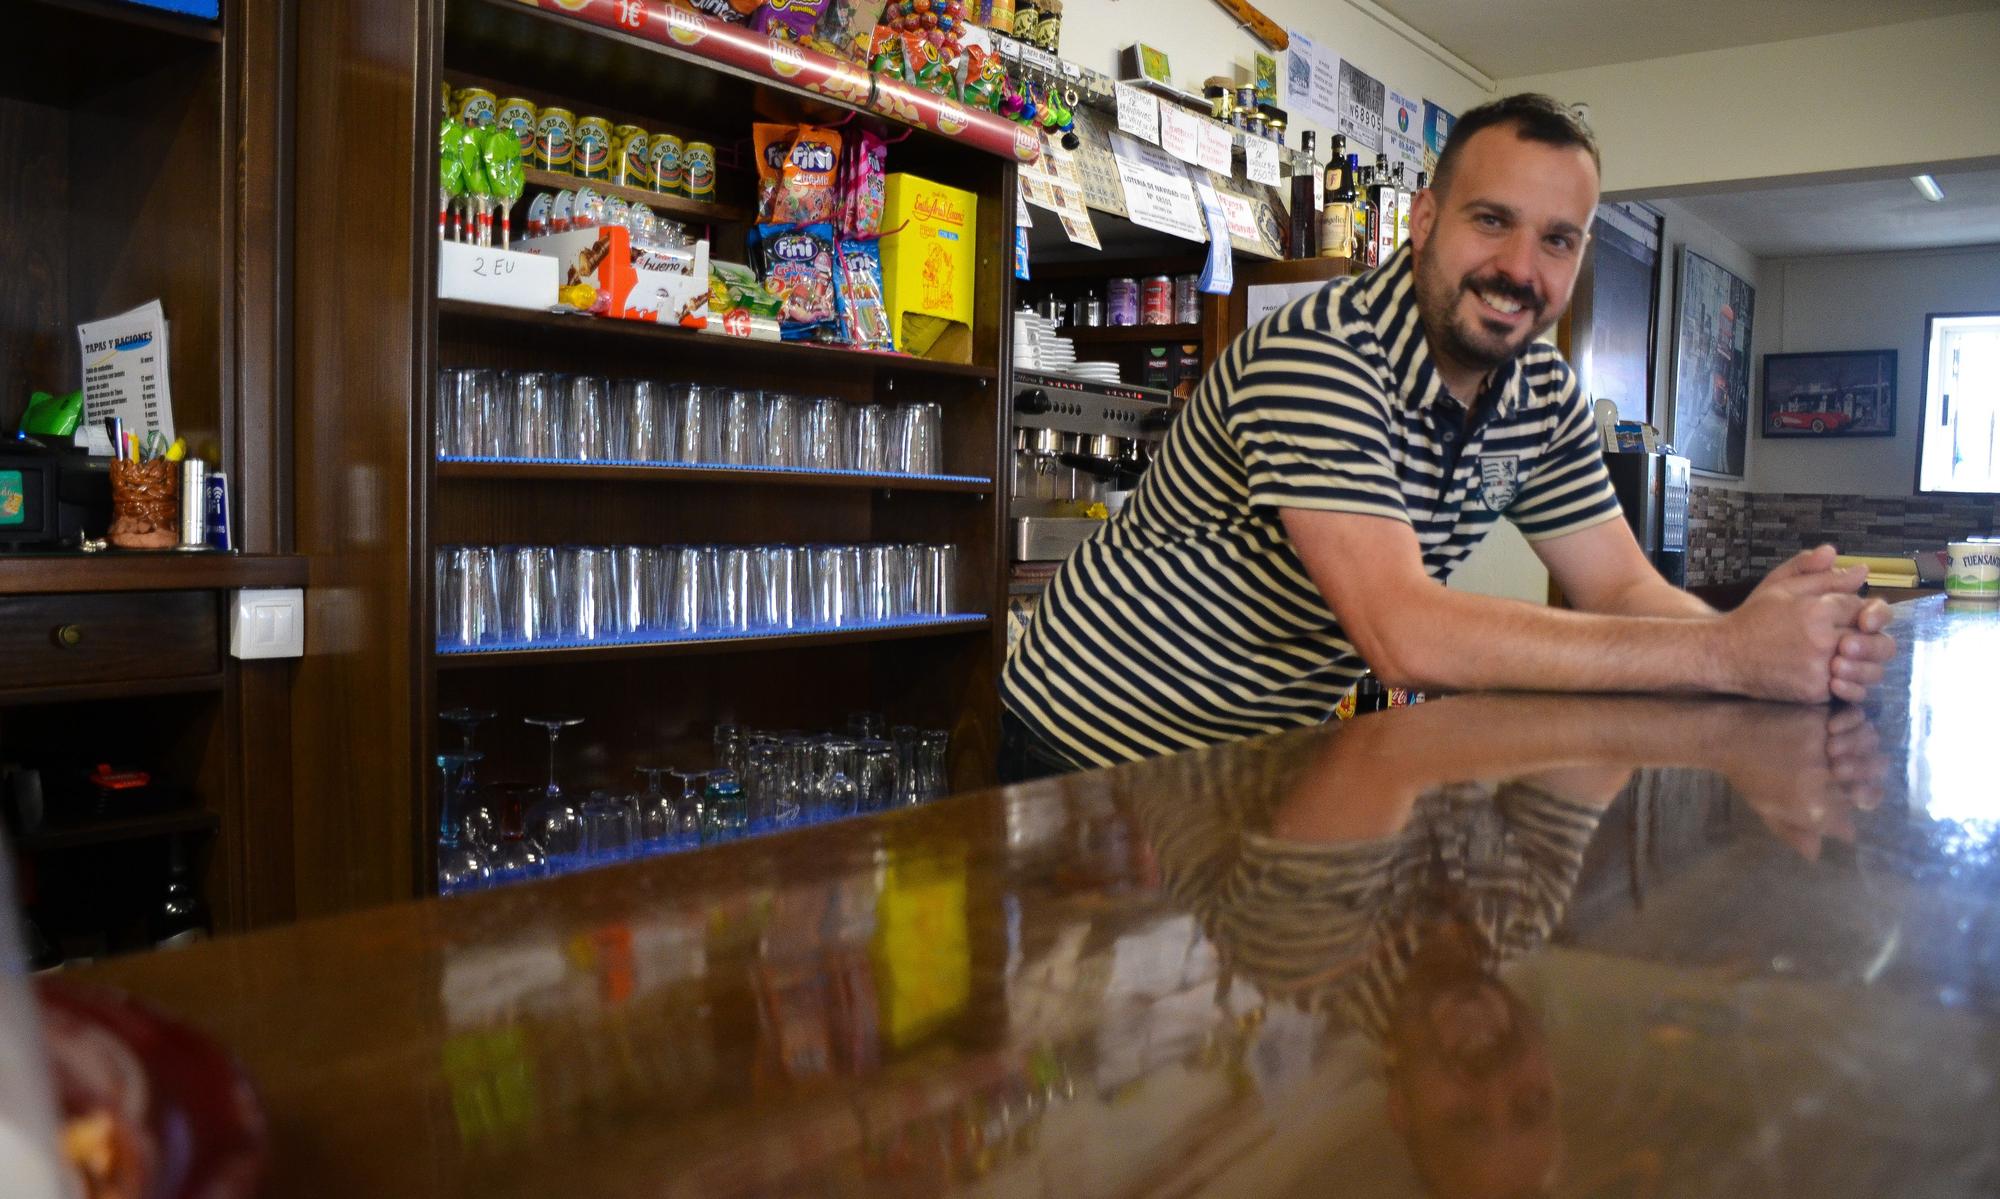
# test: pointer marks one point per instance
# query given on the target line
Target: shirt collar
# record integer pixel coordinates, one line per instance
(1387, 299)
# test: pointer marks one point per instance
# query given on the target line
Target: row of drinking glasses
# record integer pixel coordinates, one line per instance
(585, 418)
(765, 781)
(494, 596)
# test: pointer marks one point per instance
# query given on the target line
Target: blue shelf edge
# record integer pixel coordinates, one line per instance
(649, 639)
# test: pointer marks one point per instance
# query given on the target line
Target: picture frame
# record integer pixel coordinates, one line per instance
(1713, 317)
(1830, 393)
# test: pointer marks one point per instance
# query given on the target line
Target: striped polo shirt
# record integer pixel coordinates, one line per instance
(1188, 619)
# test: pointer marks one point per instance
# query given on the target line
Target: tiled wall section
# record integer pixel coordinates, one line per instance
(1737, 534)
(1718, 535)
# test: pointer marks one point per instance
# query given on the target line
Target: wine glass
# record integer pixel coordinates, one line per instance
(688, 826)
(479, 822)
(462, 865)
(555, 823)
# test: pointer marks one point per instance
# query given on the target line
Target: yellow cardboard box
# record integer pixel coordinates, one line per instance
(929, 266)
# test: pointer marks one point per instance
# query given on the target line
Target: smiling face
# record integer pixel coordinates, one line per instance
(1498, 253)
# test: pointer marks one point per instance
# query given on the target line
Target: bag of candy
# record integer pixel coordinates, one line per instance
(788, 20)
(864, 312)
(797, 166)
(736, 11)
(797, 265)
(863, 185)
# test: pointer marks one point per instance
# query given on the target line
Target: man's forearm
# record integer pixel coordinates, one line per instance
(1654, 596)
(1463, 642)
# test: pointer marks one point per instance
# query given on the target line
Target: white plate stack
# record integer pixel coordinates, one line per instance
(1038, 347)
(1095, 372)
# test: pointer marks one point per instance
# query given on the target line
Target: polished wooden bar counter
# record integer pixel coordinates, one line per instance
(1488, 945)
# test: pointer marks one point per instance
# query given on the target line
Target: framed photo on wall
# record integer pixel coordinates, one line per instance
(1838, 393)
(1615, 311)
(1712, 366)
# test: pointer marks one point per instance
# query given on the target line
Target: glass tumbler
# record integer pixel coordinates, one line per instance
(589, 410)
(728, 600)
(468, 595)
(688, 406)
(590, 592)
(933, 751)
(775, 588)
(693, 569)
(868, 438)
(822, 442)
(881, 583)
(937, 572)
(638, 582)
(535, 424)
(781, 429)
(641, 404)
(915, 438)
(530, 594)
(877, 780)
(835, 586)
(735, 427)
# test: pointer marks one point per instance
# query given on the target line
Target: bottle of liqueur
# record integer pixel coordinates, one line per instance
(1367, 218)
(1341, 216)
(1405, 197)
(1382, 199)
(1305, 213)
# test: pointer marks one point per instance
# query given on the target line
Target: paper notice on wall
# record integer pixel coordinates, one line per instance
(1260, 161)
(1138, 112)
(1212, 154)
(1180, 133)
(1239, 216)
(1218, 273)
(1361, 100)
(1312, 81)
(1157, 192)
(1402, 131)
(125, 371)
(1437, 130)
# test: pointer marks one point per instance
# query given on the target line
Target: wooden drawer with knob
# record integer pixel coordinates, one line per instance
(92, 644)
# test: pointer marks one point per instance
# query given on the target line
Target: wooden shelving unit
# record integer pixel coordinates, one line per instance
(366, 405)
(191, 209)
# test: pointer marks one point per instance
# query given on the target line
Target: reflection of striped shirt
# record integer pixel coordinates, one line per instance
(1334, 926)
(1189, 620)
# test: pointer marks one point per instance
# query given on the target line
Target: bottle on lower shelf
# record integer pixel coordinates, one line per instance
(181, 915)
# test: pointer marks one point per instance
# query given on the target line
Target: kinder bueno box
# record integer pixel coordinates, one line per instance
(667, 285)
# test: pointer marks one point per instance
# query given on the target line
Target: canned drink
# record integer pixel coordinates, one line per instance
(1156, 301)
(629, 166)
(475, 106)
(1121, 301)
(519, 115)
(592, 159)
(1973, 570)
(1187, 299)
(698, 170)
(664, 166)
(555, 139)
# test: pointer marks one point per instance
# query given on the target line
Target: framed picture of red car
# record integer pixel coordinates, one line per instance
(1844, 393)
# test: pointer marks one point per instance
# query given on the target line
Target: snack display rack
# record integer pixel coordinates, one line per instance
(374, 334)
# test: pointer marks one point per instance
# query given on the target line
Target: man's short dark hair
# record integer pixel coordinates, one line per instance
(1533, 116)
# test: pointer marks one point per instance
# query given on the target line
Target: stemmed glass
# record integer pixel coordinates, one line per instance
(689, 809)
(462, 865)
(478, 822)
(555, 823)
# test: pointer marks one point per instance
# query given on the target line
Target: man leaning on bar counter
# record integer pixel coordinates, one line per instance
(1347, 452)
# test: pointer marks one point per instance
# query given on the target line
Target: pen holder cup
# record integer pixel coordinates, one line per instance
(145, 504)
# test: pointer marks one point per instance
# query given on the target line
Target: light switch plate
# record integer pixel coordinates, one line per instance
(268, 622)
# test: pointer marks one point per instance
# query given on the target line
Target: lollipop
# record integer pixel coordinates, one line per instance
(501, 151)
(451, 171)
(478, 198)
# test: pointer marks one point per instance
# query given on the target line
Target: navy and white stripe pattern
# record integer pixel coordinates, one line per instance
(1189, 620)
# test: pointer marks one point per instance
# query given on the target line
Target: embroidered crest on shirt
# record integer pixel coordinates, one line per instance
(1499, 480)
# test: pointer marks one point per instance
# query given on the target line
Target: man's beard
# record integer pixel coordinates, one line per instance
(1466, 341)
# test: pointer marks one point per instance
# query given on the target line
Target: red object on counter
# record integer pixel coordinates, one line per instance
(788, 63)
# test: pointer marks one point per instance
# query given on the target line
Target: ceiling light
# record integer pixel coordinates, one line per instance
(1929, 187)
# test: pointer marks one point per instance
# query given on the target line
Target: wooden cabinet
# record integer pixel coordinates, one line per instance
(374, 502)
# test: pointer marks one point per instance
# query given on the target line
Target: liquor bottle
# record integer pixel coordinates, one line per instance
(1339, 219)
(1382, 198)
(1405, 198)
(180, 917)
(1367, 216)
(1305, 214)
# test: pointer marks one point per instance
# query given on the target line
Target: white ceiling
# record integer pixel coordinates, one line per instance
(1509, 38)
(1847, 218)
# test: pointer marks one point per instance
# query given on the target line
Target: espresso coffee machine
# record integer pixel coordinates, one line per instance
(1076, 445)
